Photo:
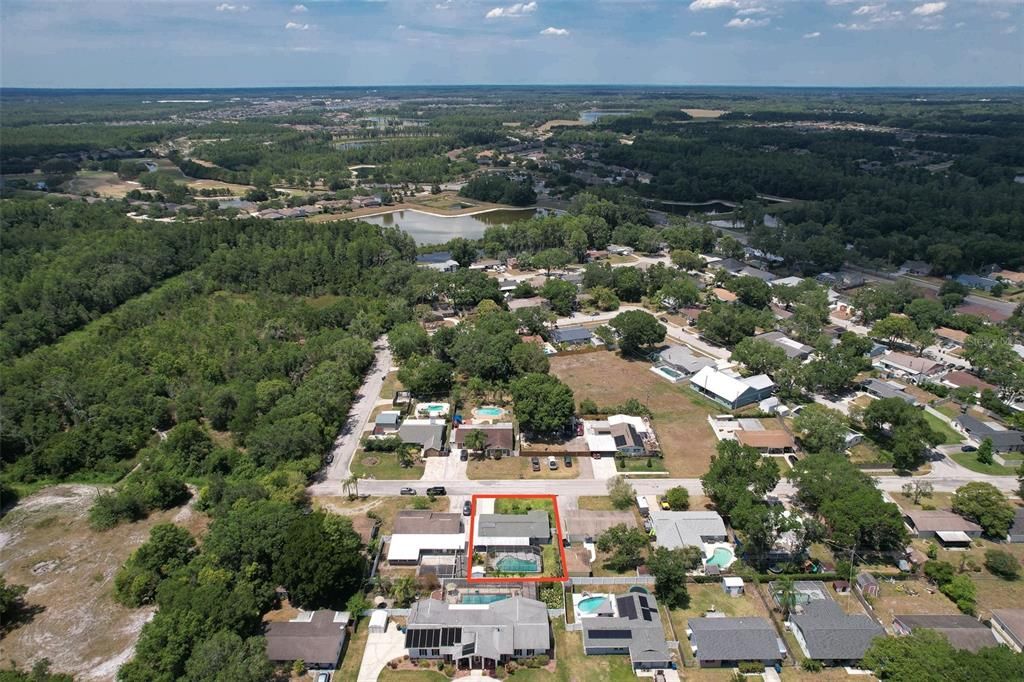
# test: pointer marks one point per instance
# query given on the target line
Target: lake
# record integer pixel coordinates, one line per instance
(594, 115)
(427, 228)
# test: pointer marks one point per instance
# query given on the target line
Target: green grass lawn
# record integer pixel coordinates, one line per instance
(384, 466)
(389, 675)
(970, 461)
(949, 436)
(639, 464)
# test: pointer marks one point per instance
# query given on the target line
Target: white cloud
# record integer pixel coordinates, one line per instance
(226, 7)
(854, 27)
(299, 9)
(516, 10)
(698, 34)
(835, 3)
(294, 26)
(928, 9)
(698, 5)
(1010, 30)
(747, 22)
(552, 31)
(401, 27)
(752, 10)
(864, 10)
(959, 24)
(815, 34)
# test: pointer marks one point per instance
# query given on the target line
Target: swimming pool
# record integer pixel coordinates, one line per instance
(592, 604)
(512, 564)
(668, 373)
(489, 411)
(721, 557)
(483, 598)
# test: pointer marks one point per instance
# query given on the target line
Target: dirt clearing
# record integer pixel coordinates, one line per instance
(47, 546)
(680, 416)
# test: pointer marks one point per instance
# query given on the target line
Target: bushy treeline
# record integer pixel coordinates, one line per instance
(498, 188)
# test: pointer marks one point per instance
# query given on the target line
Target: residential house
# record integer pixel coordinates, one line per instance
(682, 359)
(794, 349)
(909, 366)
(841, 281)
(992, 314)
(387, 422)
(951, 338)
(767, 441)
(1016, 532)
(963, 632)
(828, 634)
(478, 636)
(314, 637)
(976, 282)
(916, 267)
(581, 524)
(441, 266)
(887, 389)
(571, 336)
(787, 282)
(634, 629)
(512, 530)
(525, 303)
(620, 434)
(426, 433)
(730, 265)
(420, 533)
(501, 438)
(1008, 624)
(718, 642)
(730, 389)
(484, 264)
(619, 250)
(506, 286)
(674, 529)
(961, 379)
(1003, 439)
(763, 275)
(951, 530)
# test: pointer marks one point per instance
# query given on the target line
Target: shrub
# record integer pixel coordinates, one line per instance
(1002, 564)
(746, 667)
(811, 665)
(389, 444)
(962, 591)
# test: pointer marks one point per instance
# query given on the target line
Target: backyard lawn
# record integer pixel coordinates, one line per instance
(949, 436)
(680, 416)
(384, 466)
(516, 468)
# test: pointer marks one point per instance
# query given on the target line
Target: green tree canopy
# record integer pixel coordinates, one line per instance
(984, 504)
(637, 329)
(543, 403)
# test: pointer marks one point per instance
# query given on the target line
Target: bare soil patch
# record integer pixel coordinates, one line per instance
(705, 113)
(46, 544)
(680, 418)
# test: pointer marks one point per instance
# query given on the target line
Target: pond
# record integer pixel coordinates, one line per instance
(427, 228)
(594, 115)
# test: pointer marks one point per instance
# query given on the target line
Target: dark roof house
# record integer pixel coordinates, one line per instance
(316, 637)
(571, 335)
(1003, 440)
(827, 633)
(963, 632)
(635, 630)
(725, 642)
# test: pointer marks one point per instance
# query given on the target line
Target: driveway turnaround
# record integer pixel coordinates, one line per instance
(381, 648)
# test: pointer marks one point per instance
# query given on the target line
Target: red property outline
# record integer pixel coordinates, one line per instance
(558, 530)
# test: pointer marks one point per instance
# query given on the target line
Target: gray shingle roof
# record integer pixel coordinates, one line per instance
(318, 640)
(680, 529)
(963, 632)
(571, 334)
(1001, 440)
(831, 634)
(638, 627)
(428, 435)
(533, 524)
(734, 639)
(494, 630)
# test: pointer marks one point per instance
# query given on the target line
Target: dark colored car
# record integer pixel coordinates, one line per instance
(437, 490)
(464, 456)
(535, 463)
(407, 491)
(568, 461)
(467, 508)
(329, 458)
(968, 448)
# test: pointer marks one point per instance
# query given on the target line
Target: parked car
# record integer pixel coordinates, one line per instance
(968, 448)
(329, 458)
(568, 461)
(407, 491)
(594, 314)
(323, 677)
(464, 455)
(552, 463)
(535, 463)
(664, 505)
(467, 508)
(436, 490)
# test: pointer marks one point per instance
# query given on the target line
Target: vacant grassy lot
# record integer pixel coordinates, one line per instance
(910, 597)
(993, 592)
(384, 466)
(680, 417)
(516, 468)
(384, 507)
(69, 570)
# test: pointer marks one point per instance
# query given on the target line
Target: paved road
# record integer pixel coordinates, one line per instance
(675, 332)
(348, 440)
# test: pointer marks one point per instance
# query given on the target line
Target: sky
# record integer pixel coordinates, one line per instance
(252, 43)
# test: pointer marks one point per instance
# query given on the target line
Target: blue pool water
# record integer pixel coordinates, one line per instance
(483, 598)
(720, 557)
(591, 604)
(671, 372)
(490, 411)
(511, 564)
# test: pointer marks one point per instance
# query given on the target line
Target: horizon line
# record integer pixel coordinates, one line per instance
(631, 86)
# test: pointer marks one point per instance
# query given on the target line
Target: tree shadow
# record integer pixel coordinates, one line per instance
(20, 615)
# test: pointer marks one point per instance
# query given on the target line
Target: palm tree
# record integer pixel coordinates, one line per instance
(350, 486)
(476, 440)
(785, 594)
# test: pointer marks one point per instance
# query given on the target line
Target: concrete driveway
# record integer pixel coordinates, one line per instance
(380, 648)
(603, 468)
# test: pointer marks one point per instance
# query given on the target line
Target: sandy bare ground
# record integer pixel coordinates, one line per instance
(704, 113)
(560, 122)
(47, 545)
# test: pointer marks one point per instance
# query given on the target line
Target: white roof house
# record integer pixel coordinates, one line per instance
(687, 529)
(787, 281)
(731, 389)
(408, 547)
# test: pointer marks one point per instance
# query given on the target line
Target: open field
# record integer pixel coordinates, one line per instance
(104, 183)
(384, 507)
(705, 113)
(516, 468)
(993, 592)
(560, 123)
(237, 190)
(680, 417)
(384, 466)
(69, 569)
